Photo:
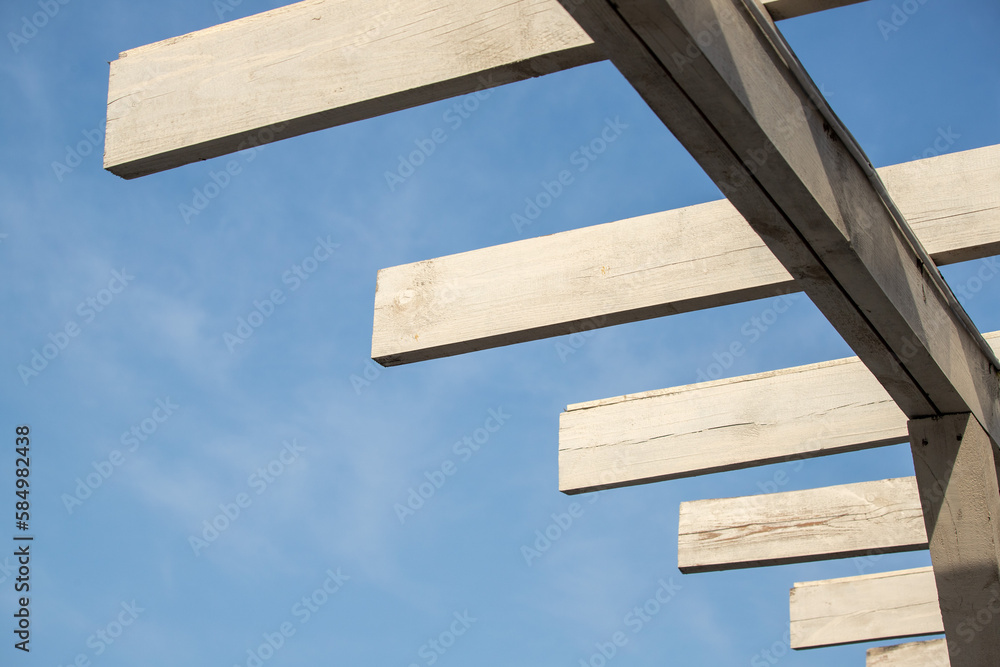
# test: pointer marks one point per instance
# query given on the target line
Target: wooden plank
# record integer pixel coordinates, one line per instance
(889, 605)
(739, 100)
(931, 653)
(786, 9)
(957, 473)
(320, 63)
(650, 266)
(751, 420)
(800, 526)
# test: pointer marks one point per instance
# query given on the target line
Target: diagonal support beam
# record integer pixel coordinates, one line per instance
(320, 63)
(800, 526)
(654, 265)
(957, 470)
(738, 99)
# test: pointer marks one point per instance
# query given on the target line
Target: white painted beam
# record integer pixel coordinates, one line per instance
(800, 526)
(320, 63)
(871, 607)
(930, 653)
(729, 424)
(650, 266)
(723, 80)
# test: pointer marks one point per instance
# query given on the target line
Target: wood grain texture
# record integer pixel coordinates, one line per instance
(957, 474)
(728, 424)
(800, 526)
(320, 63)
(889, 605)
(740, 102)
(930, 653)
(654, 265)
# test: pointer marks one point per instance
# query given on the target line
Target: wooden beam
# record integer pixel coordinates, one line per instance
(931, 653)
(320, 63)
(957, 474)
(800, 526)
(786, 9)
(731, 424)
(725, 82)
(889, 605)
(650, 266)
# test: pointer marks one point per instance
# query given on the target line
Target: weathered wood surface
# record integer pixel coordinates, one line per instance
(800, 526)
(957, 475)
(889, 605)
(729, 424)
(654, 265)
(930, 653)
(741, 104)
(320, 63)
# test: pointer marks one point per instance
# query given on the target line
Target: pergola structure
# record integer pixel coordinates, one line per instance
(805, 211)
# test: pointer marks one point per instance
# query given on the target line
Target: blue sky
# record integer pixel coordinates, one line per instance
(316, 464)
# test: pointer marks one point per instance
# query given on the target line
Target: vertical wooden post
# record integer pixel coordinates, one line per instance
(957, 473)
